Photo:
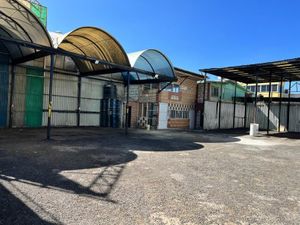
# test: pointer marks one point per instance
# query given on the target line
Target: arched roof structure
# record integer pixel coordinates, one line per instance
(154, 61)
(17, 22)
(96, 43)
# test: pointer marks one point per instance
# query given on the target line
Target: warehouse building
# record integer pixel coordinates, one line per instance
(77, 79)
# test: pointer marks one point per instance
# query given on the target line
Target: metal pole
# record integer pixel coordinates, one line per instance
(220, 102)
(245, 102)
(289, 107)
(280, 105)
(50, 96)
(127, 102)
(234, 104)
(12, 89)
(255, 108)
(269, 103)
(203, 109)
(78, 100)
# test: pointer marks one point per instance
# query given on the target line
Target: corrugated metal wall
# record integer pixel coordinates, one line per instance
(212, 115)
(18, 110)
(64, 100)
(91, 95)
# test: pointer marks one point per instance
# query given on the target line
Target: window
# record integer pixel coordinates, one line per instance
(263, 88)
(274, 87)
(175, 88)
(147, 87)
(214, 92)
(179, 114)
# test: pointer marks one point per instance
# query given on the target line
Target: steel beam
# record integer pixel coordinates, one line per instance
(127, 103)
(289, 107)
(255, 108)
(78, 100)
(50, 96)
(269, 103)
(220, 103)
(30, 57)
(203, 108)
(11, 97)
(245, 112)
(280, 105)
(234, 105)
(94, 60)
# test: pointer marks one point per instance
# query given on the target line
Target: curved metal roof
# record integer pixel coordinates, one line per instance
(153, 61)
(16, 21)
(96, 43)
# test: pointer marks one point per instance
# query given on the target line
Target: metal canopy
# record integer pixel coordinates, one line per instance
(153, 61)
(96, 43)
(271, 71)
(17, 22)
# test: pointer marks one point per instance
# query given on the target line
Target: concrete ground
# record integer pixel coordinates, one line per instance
(99, 176)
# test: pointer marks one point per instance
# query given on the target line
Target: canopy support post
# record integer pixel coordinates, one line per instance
(220, 103)
(11, 98)
(289, 107)
(50, 96)
(78, 100)
(245, 112)
(127, 104)
(203, 100)
(255, 104)
(280, 105)
(234, 104)
(269, 103)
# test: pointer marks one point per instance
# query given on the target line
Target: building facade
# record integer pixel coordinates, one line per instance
(164, 105)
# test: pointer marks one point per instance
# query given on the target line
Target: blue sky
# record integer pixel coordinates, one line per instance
(194, 34)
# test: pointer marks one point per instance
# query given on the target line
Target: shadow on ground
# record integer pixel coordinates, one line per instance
(289, 135)
(25, 157)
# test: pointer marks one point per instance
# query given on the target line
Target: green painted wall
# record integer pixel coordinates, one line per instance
(34, 98)
(228, 90)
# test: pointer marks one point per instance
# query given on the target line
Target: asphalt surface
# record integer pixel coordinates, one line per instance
(100, 176)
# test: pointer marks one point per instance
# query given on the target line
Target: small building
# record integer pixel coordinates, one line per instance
(263, 89)
(165, 105)
(213, 90)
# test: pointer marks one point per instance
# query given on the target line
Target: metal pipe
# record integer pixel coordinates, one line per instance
(78, 100)
(220, 102)
(289, 107)
(255, 108)
(280, 105)
(245, 112)
(12, 89)
(269, 103)
(50, 96)
(203, 109)
(127, 104)
(234, 104)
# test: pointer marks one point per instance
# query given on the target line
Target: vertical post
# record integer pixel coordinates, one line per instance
(203, 109)
(245, 102)
(234, 104)
(269, 103)
(127, 103)
(11, 97)
(78, 100)
(255, 103)
(50, 96)
(280, 105)
(289, 107)
(220, 102)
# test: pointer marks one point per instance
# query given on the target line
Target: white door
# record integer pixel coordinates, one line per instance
(163, 116)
